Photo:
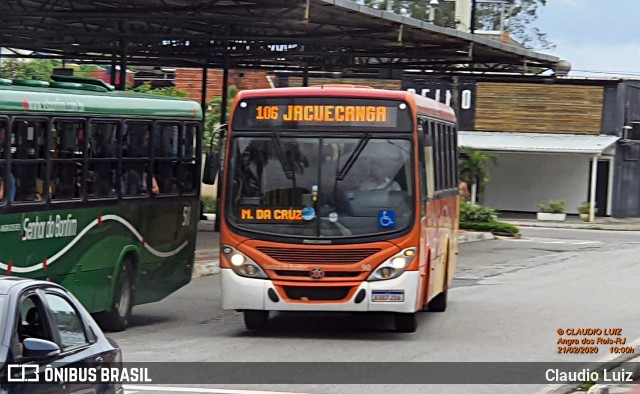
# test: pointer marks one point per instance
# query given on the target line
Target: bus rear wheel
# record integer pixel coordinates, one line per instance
(256, 320)
(406, 322)
(117, 319)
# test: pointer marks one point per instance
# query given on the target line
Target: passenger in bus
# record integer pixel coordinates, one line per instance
(377, 180)
(135, 183)
(155, 189)
(28, 185)
(11, 188)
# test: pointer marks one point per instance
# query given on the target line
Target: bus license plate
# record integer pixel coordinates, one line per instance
(387, 296)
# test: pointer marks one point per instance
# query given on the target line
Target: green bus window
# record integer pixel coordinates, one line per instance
(103, 160)
(188, 173)
(135, 179)
(3, 138)
(165, 152)
(189, 141)
(67, 145)
(135, 141)
(4, 186)
(28, 152)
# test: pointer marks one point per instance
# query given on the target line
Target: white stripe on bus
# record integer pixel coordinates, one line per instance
(91, 225)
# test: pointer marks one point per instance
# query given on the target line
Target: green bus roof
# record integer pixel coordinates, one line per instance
(66, 98)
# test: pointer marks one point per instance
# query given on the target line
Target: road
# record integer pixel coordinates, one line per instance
(508, 300)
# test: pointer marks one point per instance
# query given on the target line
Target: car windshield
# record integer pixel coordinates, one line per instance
(319, 186)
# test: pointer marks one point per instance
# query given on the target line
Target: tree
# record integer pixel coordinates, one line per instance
(519, 16)
(168, 92)
(213, 115)
(518, 19)
(472, 166)
(40, 69)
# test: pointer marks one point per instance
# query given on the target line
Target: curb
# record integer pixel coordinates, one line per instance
(474, 236)
(606, 227)
(206, 269)
(206, 225)
(206, 262)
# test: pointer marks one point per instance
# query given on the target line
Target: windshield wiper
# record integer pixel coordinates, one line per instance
(282, 157)
(353, 157)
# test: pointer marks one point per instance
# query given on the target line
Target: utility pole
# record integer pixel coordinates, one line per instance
(472, 27)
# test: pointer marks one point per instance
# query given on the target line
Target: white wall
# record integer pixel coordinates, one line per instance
(520, 182)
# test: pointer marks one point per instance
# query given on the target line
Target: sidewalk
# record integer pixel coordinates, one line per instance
(208, 246)
(573, 222)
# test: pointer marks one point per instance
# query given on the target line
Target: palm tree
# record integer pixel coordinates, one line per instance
(473, 169)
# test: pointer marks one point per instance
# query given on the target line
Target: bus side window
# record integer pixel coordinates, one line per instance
(422, 166)
(165, 154)
(103, 160)
(7, 183)
(135, 176)
(67, 152)
(189, 174)
(28, 154)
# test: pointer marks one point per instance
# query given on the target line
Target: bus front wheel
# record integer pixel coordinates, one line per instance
(438, 303)
(256, 320)
(117, 319)
(406, 322)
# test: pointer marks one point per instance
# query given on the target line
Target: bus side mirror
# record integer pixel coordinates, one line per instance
(211, 168)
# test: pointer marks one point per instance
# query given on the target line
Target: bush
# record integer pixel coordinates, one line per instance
(476, 213)
(554, 206)
(584, 208)
(209, 204)
(494, 227)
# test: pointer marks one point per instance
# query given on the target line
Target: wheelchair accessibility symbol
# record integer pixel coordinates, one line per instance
(386, 219)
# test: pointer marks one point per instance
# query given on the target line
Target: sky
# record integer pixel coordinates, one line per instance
(594, 35)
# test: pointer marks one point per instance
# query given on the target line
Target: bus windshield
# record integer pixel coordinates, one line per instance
(311, 187)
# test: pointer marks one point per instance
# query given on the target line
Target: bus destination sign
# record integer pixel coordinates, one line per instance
(326, 114)
(297, 113)
(272, 215)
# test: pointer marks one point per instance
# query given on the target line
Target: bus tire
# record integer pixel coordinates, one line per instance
(438, 303)
(406, 322)
(256, 320)
(117, 319)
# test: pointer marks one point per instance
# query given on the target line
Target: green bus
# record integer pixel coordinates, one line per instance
(99, 191)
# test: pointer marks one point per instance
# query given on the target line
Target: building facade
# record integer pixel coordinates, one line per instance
(553, 138)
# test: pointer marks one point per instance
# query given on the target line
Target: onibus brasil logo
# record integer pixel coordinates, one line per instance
(33, 373)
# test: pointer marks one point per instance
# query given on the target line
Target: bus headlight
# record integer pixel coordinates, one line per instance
(237, 259)
(242, 265)
(399, 262)
(394, 266)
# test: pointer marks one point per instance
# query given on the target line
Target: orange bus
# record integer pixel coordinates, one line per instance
(338, 198)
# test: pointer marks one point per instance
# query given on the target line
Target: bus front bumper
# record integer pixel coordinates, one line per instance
(393, 295)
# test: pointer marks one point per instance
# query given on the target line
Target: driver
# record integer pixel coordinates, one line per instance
(377, 180)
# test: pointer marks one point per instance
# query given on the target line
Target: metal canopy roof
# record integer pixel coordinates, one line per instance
(536, 142)
(328, 35)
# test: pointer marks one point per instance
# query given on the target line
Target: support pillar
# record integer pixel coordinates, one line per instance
(203, 96)
(305, 75)
(223, 120)
(592, 193)
(123, 65)
(114, 64)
